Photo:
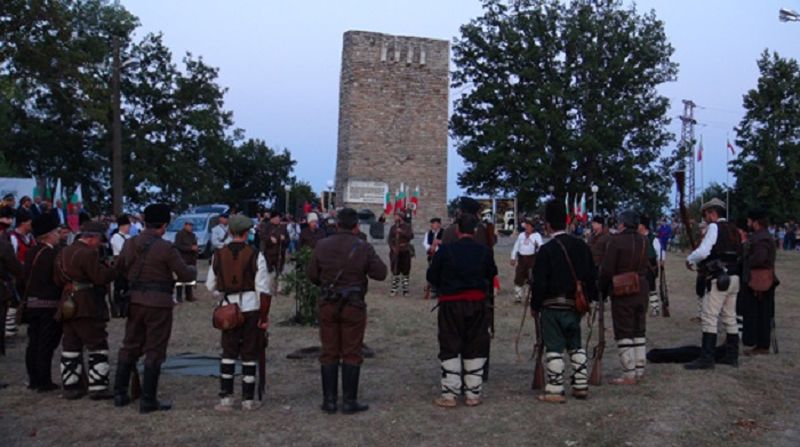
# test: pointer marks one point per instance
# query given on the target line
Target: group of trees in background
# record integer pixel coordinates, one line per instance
(558, 96)
(179, 143)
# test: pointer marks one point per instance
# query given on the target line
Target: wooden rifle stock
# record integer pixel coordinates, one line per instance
(538, 371)
(664, 292)
(596, 377)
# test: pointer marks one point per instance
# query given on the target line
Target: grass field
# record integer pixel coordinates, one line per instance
(756, 404)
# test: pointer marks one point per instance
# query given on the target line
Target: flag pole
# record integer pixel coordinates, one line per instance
(727, 174)
(702, 180)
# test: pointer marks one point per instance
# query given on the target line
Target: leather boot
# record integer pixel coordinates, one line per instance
(350, 403)
(121, 381)
(731, 351)
(706, 359)
(330, 387)
(148, 402)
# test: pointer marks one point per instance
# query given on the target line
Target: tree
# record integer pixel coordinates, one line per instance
(767, 166)
(255, 171)
(564, 96)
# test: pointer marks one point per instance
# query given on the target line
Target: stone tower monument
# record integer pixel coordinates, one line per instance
(393, 110)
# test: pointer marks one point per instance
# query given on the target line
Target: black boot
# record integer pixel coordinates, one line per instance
(350, 403)
(706, 359)
(148, 402)
(330, 387)
(731, 351)
(121, 381)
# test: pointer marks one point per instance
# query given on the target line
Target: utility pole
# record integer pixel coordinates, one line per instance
(116, 134)
(687, 144)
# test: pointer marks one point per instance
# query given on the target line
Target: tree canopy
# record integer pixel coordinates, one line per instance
(179, 142)
(563, 95)
(767, 166)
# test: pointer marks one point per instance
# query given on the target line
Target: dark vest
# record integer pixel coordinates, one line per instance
(235, 267)
(728, 247)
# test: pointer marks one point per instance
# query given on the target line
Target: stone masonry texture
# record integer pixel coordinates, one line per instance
(393, 111)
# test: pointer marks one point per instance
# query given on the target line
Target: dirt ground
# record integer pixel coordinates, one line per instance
(756, 404)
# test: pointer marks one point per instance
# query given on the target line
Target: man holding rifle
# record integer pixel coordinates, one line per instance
(559, 263)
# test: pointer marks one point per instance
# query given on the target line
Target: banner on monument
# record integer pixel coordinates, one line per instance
(359, 191)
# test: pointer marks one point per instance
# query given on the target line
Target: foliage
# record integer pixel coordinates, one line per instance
(305, 292)
(564, 95)
(300, 193)
(767, 166)
(179, 144)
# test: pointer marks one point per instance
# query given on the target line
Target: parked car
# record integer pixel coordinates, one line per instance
(218, 208)
(202, 223)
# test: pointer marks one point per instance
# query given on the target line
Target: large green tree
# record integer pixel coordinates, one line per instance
(179, 143)
(563, 95)
(767, 167)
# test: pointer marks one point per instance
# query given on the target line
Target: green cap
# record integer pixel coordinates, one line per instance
(238, 223)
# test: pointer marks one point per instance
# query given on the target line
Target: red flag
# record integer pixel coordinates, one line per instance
(730, 146)
(306, 207)
(700, 151)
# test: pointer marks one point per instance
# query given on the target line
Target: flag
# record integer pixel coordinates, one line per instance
(77, 195)
(59, 194)
(566, 207)
(398, 200)
(730, 146)
(576, 213)
(415, 199)
(584, 214)
(387, 203)
(35, 192)
(48, 195)
(700, 150)
(306, 207)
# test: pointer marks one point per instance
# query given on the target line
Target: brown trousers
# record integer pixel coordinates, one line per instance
(245, 340)
(147, 333)
(342, 332)
(630, 314)
(524, 267)
(400, 262)
(89, 333)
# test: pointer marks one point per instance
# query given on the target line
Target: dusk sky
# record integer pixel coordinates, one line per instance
(280, 61)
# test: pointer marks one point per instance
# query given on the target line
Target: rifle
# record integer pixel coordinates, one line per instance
(538, 371)
(596, 378)
(663, 291)
(264, 305)
(774, 337)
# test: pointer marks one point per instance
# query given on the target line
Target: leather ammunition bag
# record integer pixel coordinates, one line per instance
(581, 303)
(628, 283)
(761, 280)
(228, 316)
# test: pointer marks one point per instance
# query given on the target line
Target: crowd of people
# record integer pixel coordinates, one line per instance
(56, 279)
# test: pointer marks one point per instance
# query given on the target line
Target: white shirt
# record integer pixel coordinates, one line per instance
(117, 241)
(219, 236)
(657, 248)
(425, 243)
(704, 250)
(526, 244)
(247, 301)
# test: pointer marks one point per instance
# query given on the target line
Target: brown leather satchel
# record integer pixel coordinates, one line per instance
(581, 303)
(761, 280)
(227, 317)
(627, 283)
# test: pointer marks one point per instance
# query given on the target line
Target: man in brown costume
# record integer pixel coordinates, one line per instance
(341, 266)
(84, 278)
(399, 240)
(186, 243)
(151, 264)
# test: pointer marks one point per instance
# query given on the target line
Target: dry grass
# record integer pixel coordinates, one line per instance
(754, 405)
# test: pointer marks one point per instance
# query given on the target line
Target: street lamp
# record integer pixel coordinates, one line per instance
(330, 194)
(287, 188)
(788, 15)
(594, 200)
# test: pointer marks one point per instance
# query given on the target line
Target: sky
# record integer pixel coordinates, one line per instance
(280, 62)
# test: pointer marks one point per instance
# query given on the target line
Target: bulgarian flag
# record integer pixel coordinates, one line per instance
(566, 207)
(415, 199)
(730, 146)
(77, 195)
(584, 213)
(387, 203)
(700, 150)
(400, 198)
(59, 194)
(576, 211)
(35, 192)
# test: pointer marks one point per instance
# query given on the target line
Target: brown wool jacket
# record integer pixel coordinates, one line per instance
(309, 238)
(274, 252)
(625, 252)
(39, 279)
(160, 266)
(80, 265)
(332, 255)
(184, 241)
(10, 270)
(400, 236)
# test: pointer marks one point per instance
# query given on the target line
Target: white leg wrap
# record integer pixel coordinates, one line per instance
(473, 376)
(451, 378)
(580, 376)
(554, 367)
(248, 367)
(627, 357)
(71, 367)
(11, 322)
(655, 304)
(640, 355)
(98, 370)
(518, 293)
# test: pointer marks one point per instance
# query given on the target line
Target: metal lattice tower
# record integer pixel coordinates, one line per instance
(687, 144)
